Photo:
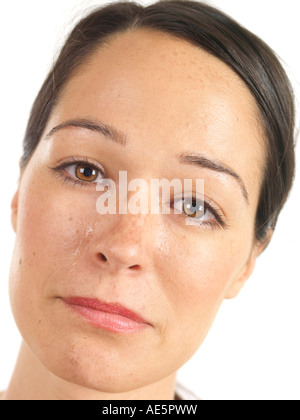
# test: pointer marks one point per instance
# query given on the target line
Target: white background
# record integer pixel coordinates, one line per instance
(253, 348)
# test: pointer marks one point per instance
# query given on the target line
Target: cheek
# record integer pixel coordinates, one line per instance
(202, 271)
(204, 265)
(204, 275)
(51, 233)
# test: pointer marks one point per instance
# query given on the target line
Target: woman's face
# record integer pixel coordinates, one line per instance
(169, 97)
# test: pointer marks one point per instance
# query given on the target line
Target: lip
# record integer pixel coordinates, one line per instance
(108, 316)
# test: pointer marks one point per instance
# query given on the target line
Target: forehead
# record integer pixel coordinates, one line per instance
(168, 95)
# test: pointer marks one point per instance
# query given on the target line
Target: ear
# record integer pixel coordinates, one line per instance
(14, 203)
(14, 210)
(248, 268)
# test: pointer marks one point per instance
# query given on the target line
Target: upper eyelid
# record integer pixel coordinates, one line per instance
(207, 202)
(76, 161)
(215, 211)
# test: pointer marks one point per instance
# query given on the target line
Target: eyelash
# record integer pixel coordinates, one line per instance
(59, 172)
(208, 205)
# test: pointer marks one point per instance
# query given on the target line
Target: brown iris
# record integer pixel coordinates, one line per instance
(86, 173)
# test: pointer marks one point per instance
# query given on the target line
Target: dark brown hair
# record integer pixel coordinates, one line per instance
(220, 35)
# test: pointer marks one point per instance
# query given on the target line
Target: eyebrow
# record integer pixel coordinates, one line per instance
(106, 130)
(214, 165)
(189, 158)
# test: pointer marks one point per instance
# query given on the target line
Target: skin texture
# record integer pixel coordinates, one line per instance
(169, 97)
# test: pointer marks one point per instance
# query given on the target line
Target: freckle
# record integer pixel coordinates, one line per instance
(40, 321)
(77, 231)
(33, 253)
(20, 261)
(70, 219)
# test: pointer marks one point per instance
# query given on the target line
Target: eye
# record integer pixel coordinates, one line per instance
(84, 172)
(79, 171)
(195, 208)
(199, 212)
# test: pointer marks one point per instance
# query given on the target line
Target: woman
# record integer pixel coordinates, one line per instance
(110, 306)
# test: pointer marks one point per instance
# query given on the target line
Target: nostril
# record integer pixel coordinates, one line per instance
(102, 257)
(135, 267)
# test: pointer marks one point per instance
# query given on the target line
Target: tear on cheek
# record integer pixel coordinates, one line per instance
(77, 240)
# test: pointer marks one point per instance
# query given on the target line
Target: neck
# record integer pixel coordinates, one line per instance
(31, 380)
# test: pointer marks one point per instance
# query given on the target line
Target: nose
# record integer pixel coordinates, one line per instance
(122, 242)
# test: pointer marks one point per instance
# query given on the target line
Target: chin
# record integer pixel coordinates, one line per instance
(97, 360)
(96, 366)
